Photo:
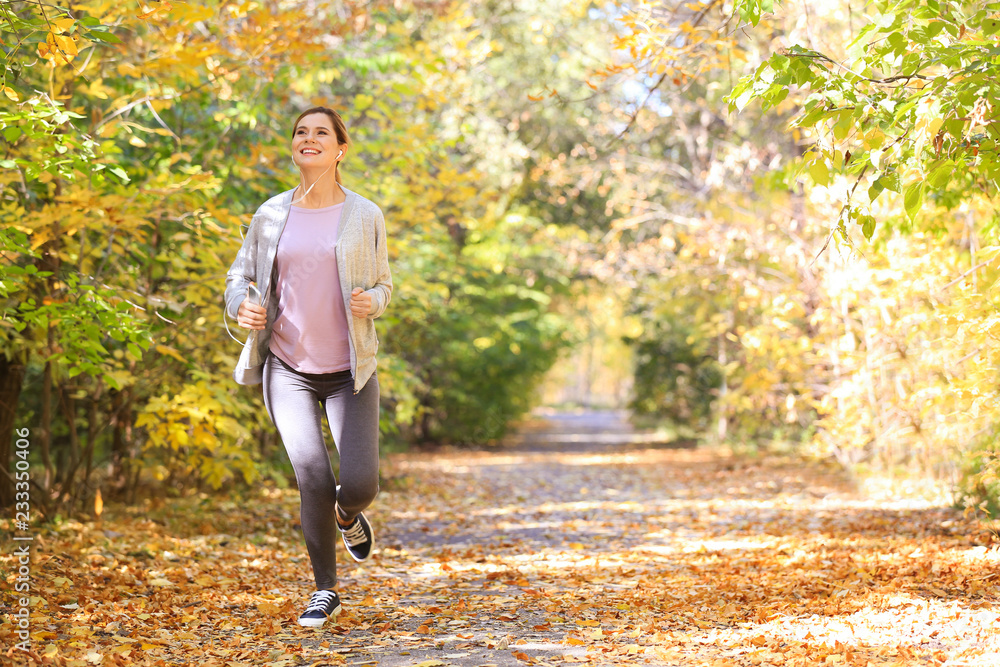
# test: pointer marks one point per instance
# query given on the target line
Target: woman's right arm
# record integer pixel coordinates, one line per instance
(243, 271)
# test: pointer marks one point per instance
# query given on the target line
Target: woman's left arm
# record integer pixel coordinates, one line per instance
(382, 291)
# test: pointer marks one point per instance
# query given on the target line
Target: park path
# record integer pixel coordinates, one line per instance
(583, 541)
(578, 542)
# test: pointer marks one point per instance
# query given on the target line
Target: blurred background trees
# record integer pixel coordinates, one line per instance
(752, 224)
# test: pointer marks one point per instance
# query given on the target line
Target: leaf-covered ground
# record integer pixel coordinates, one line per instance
(581, 549)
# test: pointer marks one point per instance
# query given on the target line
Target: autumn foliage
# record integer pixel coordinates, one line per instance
(620, 555)
(761, 225)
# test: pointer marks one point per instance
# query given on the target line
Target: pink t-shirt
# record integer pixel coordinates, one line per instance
(310, 332)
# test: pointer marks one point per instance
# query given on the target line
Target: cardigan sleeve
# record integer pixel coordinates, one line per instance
(381, 292)
(243, 270)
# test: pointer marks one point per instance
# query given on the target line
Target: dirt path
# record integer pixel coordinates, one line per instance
(583, 543)
(579, 543)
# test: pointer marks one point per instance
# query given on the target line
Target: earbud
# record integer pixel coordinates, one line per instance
(340, 153)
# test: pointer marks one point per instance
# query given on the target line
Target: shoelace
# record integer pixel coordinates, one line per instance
(319, 601)
(355, 535)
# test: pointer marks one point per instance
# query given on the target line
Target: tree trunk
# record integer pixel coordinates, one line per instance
(117, 440)
(69, 406)
(92, 431)
(11, 381)
(722, 423)
(68, 468)
(45, 428)
(121, 444)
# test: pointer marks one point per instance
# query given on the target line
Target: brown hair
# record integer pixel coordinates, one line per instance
(339, 128)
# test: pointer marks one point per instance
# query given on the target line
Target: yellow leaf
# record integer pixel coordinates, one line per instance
(11, 93)
(98, 503)
(171, 352)
(164, 6)
(60, 26)
(128, 69)
(58, 49)
(268, 609)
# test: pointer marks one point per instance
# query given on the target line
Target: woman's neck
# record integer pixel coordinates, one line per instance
(325, 192)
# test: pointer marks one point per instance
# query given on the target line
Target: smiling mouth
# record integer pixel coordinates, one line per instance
(309, 151)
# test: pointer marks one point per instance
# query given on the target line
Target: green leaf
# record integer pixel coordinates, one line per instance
(112, 382)
(875, 190)
(913, 199)
(819, 172)
(742, 94)
(890, 181)
(867, 226)
(940, 174)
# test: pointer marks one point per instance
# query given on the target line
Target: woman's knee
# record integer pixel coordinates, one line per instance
(313, 479)
(357, 494)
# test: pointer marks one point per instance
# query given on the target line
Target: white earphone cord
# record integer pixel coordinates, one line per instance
(302, 179)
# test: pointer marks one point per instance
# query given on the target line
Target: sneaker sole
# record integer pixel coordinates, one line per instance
(318, 622)
(358, 560)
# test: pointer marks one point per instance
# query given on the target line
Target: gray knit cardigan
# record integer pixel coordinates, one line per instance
(362, 261)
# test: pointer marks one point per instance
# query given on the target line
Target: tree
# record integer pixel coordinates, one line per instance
(907, 108)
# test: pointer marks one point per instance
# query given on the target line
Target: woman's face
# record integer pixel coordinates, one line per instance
(314, 144)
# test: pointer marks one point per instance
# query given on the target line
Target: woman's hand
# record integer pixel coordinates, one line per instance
(250, 315)
(361, 302)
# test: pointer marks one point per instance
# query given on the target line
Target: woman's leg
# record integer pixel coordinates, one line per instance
(354, 422)
(293, 403)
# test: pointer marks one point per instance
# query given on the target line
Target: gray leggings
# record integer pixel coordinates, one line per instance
(295, 402)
